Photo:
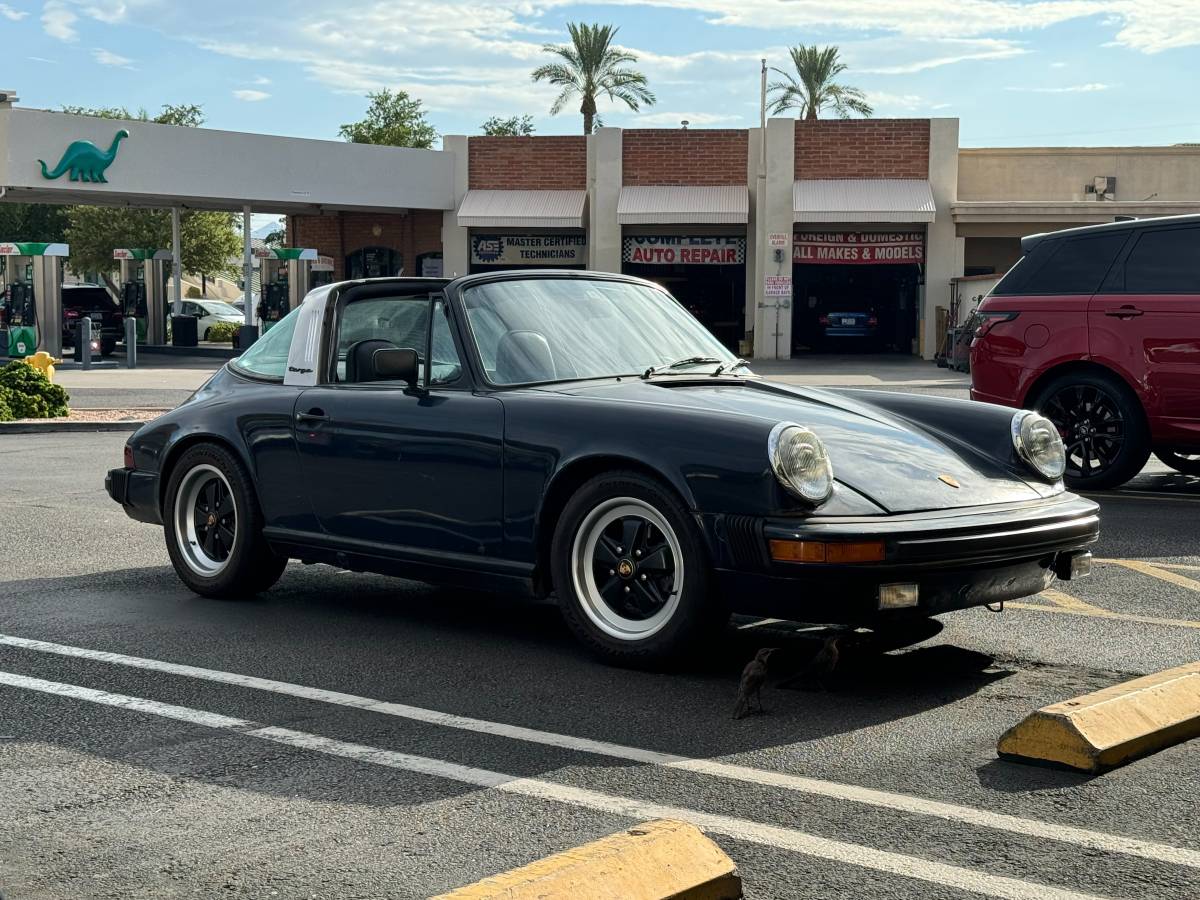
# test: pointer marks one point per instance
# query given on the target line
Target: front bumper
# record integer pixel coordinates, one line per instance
(137, 492)
(957, 559)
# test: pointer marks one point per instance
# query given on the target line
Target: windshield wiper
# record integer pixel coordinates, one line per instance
(681, 363)
(724, 368)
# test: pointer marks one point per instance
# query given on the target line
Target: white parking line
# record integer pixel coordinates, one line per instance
(740, 829)
(1083, 837)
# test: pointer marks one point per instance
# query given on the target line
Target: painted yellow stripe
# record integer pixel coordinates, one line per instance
(1110, 727)
(1154, 571)
(1097, 613)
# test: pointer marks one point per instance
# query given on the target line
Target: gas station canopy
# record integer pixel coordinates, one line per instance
(52, 157)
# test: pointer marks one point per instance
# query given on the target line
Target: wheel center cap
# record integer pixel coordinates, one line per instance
(625, 568)
(212, 520)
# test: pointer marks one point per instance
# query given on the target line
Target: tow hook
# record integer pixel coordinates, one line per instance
(994, 607)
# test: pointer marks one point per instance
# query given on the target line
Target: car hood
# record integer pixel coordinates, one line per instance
(898, 464)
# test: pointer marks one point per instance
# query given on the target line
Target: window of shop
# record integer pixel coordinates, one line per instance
(856, 290)
(374, 262)
(706, 273)
(493, 252)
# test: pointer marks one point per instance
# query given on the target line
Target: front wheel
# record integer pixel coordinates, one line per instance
(1102, 427)
(1186, 463)
(630, 571)
(213, 526)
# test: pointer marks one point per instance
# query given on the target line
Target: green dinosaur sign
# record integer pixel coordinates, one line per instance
(85, 161)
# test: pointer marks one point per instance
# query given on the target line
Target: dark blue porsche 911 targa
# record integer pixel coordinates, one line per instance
(581, 435)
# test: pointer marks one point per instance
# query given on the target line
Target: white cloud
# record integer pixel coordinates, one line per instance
(261, 79)
(58, 21)
(251, 96)
(43, 59)
(885, 102)
(1153, 26)
(927, 54)
(1089, 88)
(108, 58)
(13, 15)
(1058, 65)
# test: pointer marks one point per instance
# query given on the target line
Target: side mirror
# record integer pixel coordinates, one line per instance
(396, 364)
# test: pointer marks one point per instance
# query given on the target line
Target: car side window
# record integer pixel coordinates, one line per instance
(445, 364)
(1164, 261)
(393, 321)
(268, 357)
(1075, 266)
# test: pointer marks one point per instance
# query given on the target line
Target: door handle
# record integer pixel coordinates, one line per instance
(1124, 312)
(316, 414)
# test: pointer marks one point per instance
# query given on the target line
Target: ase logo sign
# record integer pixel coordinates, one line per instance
(488, 249)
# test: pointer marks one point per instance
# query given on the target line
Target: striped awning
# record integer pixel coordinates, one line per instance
(684, 205)
(517, 209)
(863, 200)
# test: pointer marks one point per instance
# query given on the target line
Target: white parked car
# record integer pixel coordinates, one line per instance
(209, 312)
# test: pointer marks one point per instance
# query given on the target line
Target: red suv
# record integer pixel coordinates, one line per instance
(1098, 328)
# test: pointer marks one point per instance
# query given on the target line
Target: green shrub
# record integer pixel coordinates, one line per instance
(222, 332)
(6, 413)
(29, 394)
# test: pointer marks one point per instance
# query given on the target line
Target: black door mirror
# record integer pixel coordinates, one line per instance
(396, 364)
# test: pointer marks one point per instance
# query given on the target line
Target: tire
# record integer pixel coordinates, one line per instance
(224, 555)
(627, 616)
(206, 333)
(1186, 463)
(1102, 425)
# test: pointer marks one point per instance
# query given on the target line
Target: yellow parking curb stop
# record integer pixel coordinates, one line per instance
(652, 861)
(1108, 728)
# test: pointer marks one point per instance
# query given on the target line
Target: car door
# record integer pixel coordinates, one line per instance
(387, 466)
(1146, 322)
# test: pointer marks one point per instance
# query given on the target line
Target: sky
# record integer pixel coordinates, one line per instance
(1016, 73)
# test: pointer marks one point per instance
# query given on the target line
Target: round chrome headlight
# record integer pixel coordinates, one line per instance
(1038, 442)
(800, 462)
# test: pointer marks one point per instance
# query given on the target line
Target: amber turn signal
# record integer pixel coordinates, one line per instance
(820, 552)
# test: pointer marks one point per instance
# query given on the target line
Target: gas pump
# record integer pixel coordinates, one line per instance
(283, 276)
(144, 291)
(32, 307)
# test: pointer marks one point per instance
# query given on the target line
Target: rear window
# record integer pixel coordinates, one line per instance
(91, 299)
(1164, 262)
(1064, 266)
(267, 357)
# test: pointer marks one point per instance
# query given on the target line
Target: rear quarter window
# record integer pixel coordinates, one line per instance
(1064, 265)
(267, 359)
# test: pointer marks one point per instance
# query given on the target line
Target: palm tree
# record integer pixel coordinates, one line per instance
(591, 66)
(813, 88)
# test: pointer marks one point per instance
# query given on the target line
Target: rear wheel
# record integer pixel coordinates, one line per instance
(630, 571)
(1102, 428)
(1187, 463)
(213, 526)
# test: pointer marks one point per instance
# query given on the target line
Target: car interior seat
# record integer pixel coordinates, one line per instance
(523, 356)
(358, 359)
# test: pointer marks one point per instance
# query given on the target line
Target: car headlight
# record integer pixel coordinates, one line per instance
(1038, 442)
(800, 462)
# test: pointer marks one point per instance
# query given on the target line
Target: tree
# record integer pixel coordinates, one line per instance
(207, 240)
(591, 67)
(813, 89)
(33, 222)
(393, 118)
(514, 126)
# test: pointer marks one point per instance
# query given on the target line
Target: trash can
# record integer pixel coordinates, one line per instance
(183, 331)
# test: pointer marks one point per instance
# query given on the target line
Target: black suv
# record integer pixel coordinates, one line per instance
(108, 324)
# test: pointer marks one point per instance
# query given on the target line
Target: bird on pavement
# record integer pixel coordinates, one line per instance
(821, 665)
(753, 678)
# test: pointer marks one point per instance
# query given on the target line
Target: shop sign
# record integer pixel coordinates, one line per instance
(778, 239)
(777, 286)
(858, 247)
(529, 249)
(670, 250)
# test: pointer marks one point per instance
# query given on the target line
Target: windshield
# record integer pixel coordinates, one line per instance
(551, 329)
(220, 309)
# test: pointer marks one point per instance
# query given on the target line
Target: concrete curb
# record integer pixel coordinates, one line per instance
(652, 861)
(1110, 727)
(65, 427)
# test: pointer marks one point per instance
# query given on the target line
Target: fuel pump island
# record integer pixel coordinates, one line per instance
(144, 273)
(31, 315)
(283, 276)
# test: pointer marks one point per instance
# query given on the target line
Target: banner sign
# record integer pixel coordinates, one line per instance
(529, 249)
(858, 247)
(670, 250)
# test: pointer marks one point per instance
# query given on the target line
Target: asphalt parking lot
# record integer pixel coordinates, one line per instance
(353, 736)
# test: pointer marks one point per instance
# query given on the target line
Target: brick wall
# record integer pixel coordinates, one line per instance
(551, 163)
(673, 156)
(862, 148)
(342, 233)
